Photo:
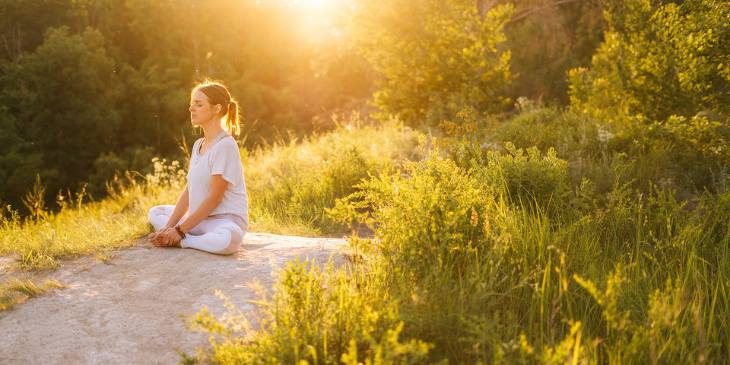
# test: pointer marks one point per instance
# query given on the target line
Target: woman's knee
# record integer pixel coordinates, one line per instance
(153, 215)
(235, 241)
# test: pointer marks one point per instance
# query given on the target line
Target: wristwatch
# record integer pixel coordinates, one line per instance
(180, 231)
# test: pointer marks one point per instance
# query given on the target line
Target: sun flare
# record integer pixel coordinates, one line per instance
(313, 5)
(317, 17)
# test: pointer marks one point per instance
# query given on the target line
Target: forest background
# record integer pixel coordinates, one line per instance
(94, 88)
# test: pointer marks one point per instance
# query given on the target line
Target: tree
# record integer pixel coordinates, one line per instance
(434, 59)
(658, 60)
(63, 99)
(23, 24)
(547, 38)
(19, 162)
(662, 77)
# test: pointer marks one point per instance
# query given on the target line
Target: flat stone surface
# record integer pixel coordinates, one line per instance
(133, 308)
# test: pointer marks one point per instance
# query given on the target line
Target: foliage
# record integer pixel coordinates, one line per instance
(621, 276)
(546, 38)
(109, 166)
(24, 24)
(528, 176)
(292, 184)
(436, 60)
(69, 92)
(87, 81)
(573, 135)
(660, 81)
(315, 316)
(658, 60)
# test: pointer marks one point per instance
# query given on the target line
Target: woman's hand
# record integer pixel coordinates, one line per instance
(154, 236)
(165, 237)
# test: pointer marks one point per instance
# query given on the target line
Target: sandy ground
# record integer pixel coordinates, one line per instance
(132, 309)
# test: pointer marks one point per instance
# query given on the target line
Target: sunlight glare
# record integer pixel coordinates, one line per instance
(317, 5)
(317, 18)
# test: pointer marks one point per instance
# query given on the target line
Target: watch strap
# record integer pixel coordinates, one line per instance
(180, 231)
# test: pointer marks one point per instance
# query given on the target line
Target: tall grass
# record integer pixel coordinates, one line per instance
(39, 242)
(508, 260)
(291, 185)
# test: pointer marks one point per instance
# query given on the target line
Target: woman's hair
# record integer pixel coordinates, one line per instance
(218, 94)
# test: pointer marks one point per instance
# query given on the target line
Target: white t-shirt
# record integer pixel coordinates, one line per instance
(220, 158)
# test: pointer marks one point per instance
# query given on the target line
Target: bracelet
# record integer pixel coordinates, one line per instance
(179, 231)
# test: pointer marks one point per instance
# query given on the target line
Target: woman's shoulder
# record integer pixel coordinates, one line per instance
(197, 142)
(227, 143)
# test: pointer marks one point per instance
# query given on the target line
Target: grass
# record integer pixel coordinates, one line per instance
(83, 229)
(44, 240)
(291, 185)
(506, 257)
(17, 291)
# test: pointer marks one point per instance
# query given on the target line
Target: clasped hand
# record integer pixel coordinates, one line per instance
(165, 237)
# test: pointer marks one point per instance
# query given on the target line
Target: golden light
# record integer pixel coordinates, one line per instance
(313, 5)
(317, 17)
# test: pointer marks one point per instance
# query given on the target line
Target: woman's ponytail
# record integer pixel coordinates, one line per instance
(232, 123)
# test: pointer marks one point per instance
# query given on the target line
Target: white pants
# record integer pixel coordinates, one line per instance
(216, 235)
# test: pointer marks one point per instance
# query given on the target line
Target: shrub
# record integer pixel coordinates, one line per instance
(436, 228)
(658, 59)
(527, 178)
(573, 135)
(110, 165)
(315, 316)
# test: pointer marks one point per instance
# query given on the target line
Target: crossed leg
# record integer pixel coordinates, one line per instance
(215, 235)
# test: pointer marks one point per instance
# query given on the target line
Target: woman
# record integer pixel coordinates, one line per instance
(211, 214)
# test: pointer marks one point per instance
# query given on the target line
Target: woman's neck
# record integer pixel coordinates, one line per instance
(211, 130)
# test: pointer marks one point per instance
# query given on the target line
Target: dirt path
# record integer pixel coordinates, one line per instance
(131, 309)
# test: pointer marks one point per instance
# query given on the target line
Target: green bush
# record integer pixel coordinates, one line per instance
(660, 79)
(658, 59)
(440, 237)
(573, 135)
(109, 166)
(315, 316)
(527, 178)
(687, 155)
(701, 148)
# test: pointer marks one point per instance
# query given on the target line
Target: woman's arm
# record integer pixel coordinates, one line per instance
(218, 186)
(180, 208)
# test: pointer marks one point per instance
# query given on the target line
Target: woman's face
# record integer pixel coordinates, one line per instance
(201, 111)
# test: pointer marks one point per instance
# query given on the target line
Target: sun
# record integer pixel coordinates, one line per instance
(313, 5)
(317, 17)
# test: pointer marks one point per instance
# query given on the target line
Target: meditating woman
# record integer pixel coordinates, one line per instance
(211, 213)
